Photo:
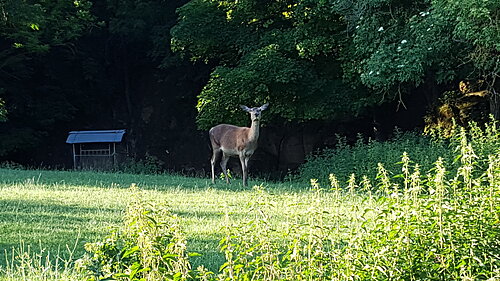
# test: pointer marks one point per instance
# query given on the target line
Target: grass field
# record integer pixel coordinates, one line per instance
(51, 211)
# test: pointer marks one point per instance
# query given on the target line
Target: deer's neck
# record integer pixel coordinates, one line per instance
(253, 135)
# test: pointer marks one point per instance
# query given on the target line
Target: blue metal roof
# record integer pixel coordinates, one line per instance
(95, 136)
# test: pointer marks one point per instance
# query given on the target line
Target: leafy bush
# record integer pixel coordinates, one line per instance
(149, 165)
(484, 140)
(362, 157)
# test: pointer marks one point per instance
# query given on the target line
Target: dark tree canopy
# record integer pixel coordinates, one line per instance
(76, 65)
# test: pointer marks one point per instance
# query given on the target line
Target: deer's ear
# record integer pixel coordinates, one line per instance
(245, 108)
(264, 106)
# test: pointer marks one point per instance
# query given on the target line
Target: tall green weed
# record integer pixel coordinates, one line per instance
(433, 226)
(26, 263)
(449, 232)
(411, 223)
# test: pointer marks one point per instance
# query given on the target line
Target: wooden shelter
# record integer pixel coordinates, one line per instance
(96, 150)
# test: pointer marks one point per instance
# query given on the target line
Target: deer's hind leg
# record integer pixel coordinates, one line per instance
(215, 154)
(223, 165)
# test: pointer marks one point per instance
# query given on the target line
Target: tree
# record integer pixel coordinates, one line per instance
(29, 30)
(476, 24)
(115, 70)
(267, 51)
(398, 45)
(315, 59)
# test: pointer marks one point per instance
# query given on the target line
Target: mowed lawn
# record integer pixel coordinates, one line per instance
(53, 211)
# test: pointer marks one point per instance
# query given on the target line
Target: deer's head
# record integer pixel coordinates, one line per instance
(255, 112)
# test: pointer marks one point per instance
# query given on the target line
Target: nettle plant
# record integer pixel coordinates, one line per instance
(413, 227)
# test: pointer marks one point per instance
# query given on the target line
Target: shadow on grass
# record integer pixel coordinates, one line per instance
(50, 227)
(211, 257)
(65, 179)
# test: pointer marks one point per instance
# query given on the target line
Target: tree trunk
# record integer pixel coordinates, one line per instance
(495, 104)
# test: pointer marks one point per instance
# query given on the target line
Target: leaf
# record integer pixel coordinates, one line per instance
(223, 266)
(238, 266)
(177, 276)
(130, 251)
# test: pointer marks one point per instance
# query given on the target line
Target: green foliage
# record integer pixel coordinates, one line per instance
(148, 166)
(255, 250)
(395, 44)
(404, 233)
(417, 225)
(399, 45)
(476, 22)
(280, 52)
(362, 157)
(484, 140)
(25, 263)
(263, 75)
(29, 31)
(38, 25)
(76, 65)
(150, 247)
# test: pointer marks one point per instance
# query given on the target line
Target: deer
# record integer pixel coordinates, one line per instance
(234, 141)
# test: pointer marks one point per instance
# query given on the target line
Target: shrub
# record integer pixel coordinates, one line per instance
(150, 165)
(362, 157)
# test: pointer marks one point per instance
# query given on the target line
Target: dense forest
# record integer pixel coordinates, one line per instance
(166, 71)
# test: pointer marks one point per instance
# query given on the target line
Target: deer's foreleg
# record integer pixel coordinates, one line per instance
(244, 168)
